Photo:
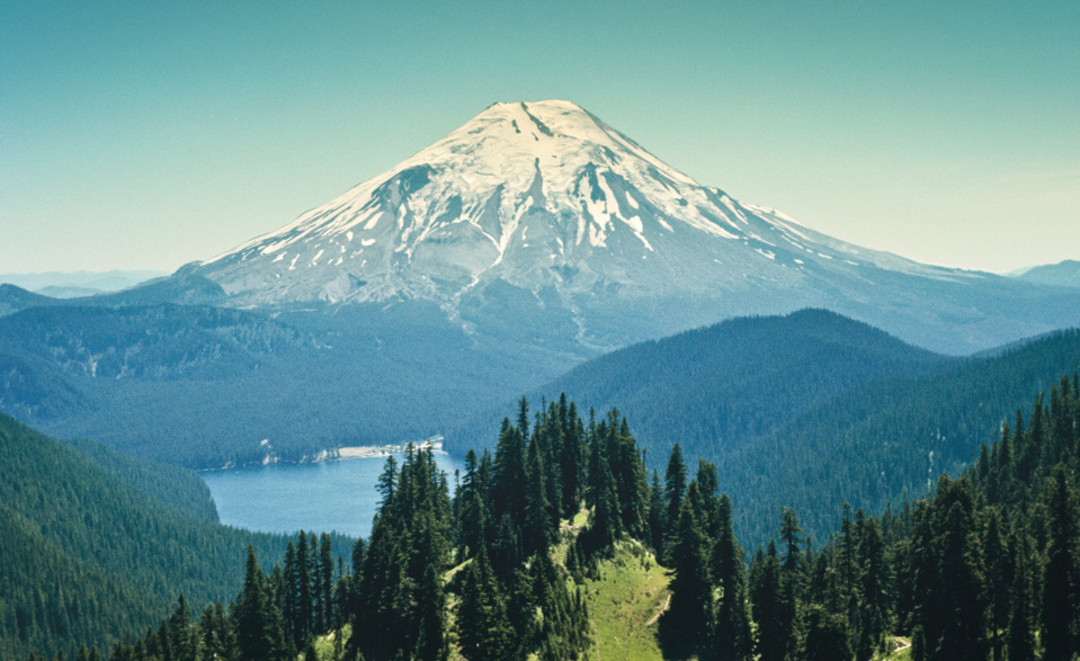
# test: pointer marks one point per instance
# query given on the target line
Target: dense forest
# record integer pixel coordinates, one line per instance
(986, 566)
(792, 407)
(93, 543)
(130, 375)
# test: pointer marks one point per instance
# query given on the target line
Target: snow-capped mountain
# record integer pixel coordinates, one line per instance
(543, 209)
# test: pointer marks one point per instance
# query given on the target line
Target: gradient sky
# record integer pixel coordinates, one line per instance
(149, 134)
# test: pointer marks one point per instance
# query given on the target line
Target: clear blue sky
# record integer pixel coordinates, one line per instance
(149, 134)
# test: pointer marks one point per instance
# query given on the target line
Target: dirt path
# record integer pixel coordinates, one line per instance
(659, 612)
(901, 645)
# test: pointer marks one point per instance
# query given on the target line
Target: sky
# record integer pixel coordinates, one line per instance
(145, 135)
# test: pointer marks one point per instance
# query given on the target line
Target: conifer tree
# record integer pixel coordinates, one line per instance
(950, 607)
(674, 492)
(1059, 607)
(998, 577)
(872, 605)
(325, 619)
(791, 578)
(258, 624)
(571, 458)
(483, 632)
(765, 596)
(1021, 640)
(657, 514)
(686, 621)
(731, 624)
(536, 526)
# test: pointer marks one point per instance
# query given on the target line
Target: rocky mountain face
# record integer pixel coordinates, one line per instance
(541, 216)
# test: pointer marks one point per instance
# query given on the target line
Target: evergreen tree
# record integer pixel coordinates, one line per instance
(508, 487)
(685, 625)
(765, 597)
(258, 634)
(483, 632)
(791, 578)
(571, 458)
(657, 514)
(731, 638)
(536, 527)
(872, 605)
(674, 492)
(325, 619)
(950, 607)
(998, 577)
(1059, 606)
(826, 636)
(1021, 640)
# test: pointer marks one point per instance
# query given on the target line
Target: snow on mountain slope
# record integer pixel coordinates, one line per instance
(544, 201)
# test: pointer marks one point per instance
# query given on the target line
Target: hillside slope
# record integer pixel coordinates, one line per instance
(714, 389)
(86, 556)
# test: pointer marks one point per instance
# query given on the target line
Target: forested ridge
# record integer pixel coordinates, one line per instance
(986, 567)
(793, 407)
(93, 544)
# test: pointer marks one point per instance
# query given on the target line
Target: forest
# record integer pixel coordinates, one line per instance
(985, 567)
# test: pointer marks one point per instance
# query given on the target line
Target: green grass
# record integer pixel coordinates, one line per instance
(624, 604)
(902, 653)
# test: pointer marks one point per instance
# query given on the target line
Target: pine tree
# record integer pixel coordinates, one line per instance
(1021, 640)
(657, 514)
(1059, 607)
(950, 609)
(872, 605)
(765, 597)
(791, 578)
(325, 616)
(483, 632)
(826, 636)
(536, 527)
(731, 639)
(257, 622)
(571, 458)
(508, 487)
(685, 625)
(674, 492)
(998, 577)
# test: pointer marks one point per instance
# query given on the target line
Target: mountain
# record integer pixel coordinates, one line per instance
(715, 389)
(1062, 274)
(540, 216)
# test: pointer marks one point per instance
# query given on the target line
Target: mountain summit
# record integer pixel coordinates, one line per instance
(543, 210)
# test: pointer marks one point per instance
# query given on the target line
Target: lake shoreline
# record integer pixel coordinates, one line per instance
(434, 443)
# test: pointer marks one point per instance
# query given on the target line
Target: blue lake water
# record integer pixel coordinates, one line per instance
(324, 497)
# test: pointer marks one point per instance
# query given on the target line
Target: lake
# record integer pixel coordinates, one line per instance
(321, 497)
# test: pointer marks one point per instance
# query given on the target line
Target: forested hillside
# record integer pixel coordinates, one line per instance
(716, 389)
(985, 567)
(789, 408)
(304, 380)
(887, 440)
(95, 545)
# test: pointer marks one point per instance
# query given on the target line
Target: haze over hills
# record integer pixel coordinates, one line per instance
(1064, 274)
(78, 283)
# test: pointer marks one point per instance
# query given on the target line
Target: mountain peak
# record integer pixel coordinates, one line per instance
(541, 203)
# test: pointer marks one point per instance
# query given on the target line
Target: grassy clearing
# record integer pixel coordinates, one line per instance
(901, 650)
(624, 603)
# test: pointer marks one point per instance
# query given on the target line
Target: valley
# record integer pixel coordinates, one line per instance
(636, 375)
